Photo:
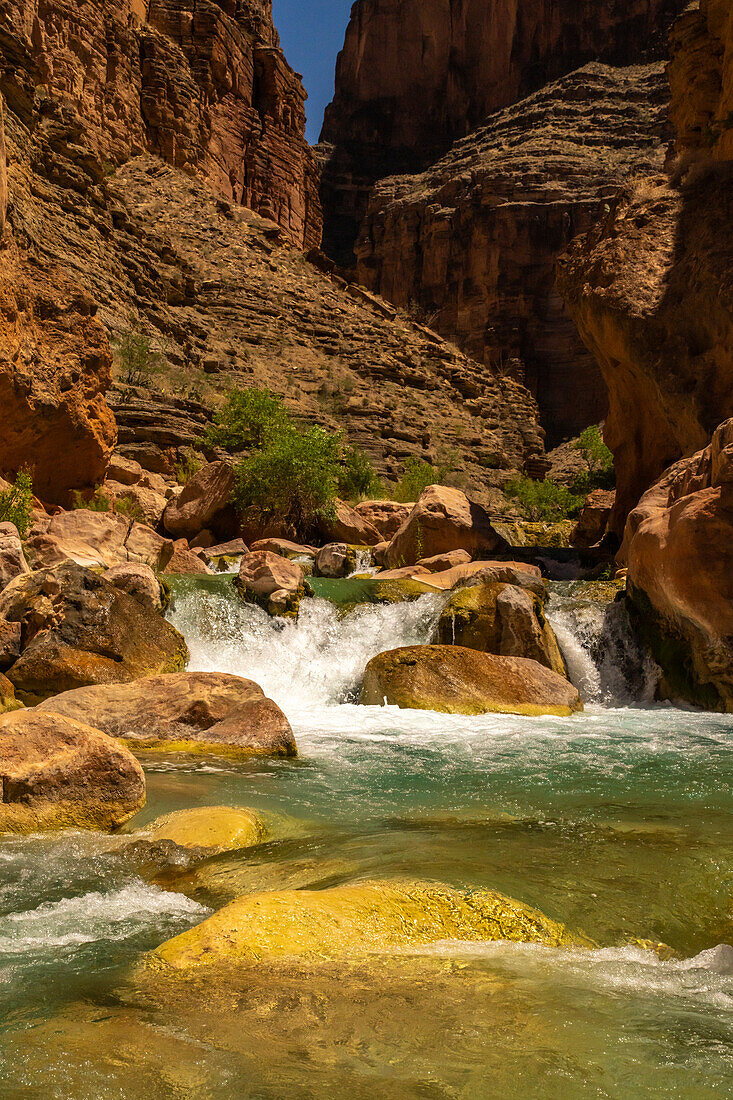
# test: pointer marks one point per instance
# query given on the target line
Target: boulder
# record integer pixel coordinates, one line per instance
(206, 502)
(443, 520)
(8, 702)
(386, 515)
(337, 559)
(135, 501)
(455, 680)
(184, 561)
(678, 546)
(218, 828)
(346, 525)
(12, 558)
(356, 920)
(501, 619)
(186, 711)
(379, 551)
(594, 519)
(10, 643)
(124, 471)
(440, 562)
(476, 572)
(137, 580)
(405, 573)
(59, 773)
(95, 539)
(285, 547)
(271, 582)
(78, 629)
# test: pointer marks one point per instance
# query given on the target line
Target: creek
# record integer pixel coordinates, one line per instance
(616, 821)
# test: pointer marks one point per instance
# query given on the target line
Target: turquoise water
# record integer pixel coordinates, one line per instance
(616, 821)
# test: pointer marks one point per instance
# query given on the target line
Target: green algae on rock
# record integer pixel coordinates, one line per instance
(355, 920)
(221, 828)
(456, 680)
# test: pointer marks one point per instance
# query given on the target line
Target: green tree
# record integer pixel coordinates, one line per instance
(293, 480)
(600, 473)
(357, 479)
(16, 503)
(250, 419)
(417, 476)
(136, 356)
(544, 501)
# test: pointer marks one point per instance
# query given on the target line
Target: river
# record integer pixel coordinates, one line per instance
(616, 821)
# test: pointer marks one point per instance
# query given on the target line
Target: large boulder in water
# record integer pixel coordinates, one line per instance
(186, 711)
(443, 519)
(356, 920)
(217, 828)
(78, 629)
(336, 560)
(59, 773)
(272, 582)
(455, 680)
(678, 545)
(501, 619)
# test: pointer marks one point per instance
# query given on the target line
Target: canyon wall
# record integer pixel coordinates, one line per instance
(472, 242)
(202, 84)
(415, 75)
(650, 287)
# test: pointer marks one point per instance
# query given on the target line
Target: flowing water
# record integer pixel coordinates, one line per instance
(616, 821)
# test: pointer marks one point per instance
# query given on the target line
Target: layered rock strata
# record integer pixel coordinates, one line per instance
(201, 83)
(416, 75)
(472, 242)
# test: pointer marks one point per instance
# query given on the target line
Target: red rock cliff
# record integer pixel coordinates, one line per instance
(202, 84)
(414, 75)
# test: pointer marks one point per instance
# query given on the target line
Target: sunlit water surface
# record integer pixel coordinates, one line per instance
(616, 821)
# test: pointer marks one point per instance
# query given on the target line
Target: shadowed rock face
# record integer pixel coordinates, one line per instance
(202, 84)
(415, 75)
(474, 239)
(701, 76)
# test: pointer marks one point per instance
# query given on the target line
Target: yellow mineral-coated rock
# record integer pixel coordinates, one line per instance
(222, 827)
(356, 920)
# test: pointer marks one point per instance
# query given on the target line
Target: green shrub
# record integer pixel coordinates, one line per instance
(293, 480)
(544, 501)
(97, 502)
(600, 473)
(16, 503)
(417, 476)
(188, 467)
(357, 479)
(136, 357)
(250, 419)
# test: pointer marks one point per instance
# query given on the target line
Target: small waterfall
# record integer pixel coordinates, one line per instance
(314, 662)
(605, 660)
(364, 563)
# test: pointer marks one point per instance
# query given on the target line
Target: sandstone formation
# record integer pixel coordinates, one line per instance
(443, 520)
(12, 555)
(649, 287)
(349, 526)
(205, 503)
(355, 920)
(387, 516)
(472, 242)
(204, 86)
(271, 582)
(57, 773)
(679, 548)
(415, 76)
(95, 539)
(187, 711)
(139, 581)
(454, 680)
(78, 629)
(502, 619)
(594, 519)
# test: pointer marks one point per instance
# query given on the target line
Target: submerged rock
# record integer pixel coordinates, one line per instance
(271, 582)
(356, 920)
(186, 711)
(222, 828)
(78, 629)
(58, 773)
(455, 680)
(501, 619)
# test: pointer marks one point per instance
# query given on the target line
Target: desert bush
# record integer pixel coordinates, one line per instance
(600, 473)
(417, 476)
(250, 420)
(544, 501)
(16, 503)
(136, 356)
(357, 478)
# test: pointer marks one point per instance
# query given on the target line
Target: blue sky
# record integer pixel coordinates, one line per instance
(311, 34)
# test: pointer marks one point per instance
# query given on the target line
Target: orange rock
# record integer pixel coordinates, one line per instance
(443, 520)
(594, 519)
(386, 515)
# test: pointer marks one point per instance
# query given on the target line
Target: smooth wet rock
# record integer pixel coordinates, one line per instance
(186, 711)
(336, 560)
(501, 619)
(386, 515)
(271, 582)
(137, 580)
(455, 680)
(356, 920)
(443, 520)
(206, 502)
(214, 555)
(78, 629)
(222, 828)
(58, 773)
